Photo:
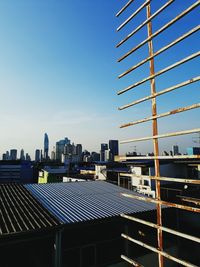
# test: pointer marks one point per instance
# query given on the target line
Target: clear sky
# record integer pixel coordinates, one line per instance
(58, 69)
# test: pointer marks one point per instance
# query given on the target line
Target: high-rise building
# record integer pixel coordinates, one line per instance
(28, 158)
(104, 147)
(37, 155)
(175, 150)
(46, 146)
(79, 151)
(60, 147)
(13, 154)
(95, 156)
(53, 153)
(7, 155)
(114, 149)
(22, 157)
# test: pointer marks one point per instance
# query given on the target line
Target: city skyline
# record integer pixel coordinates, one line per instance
(101, 147)
(60, 75)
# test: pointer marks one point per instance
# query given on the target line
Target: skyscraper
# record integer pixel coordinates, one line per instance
(37, 155)
(13, 154)
(46, 146)
(175, 150)
(22, 157)
(60, 147)
(104, 147)
(114, 149)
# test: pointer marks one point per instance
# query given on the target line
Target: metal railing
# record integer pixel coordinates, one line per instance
(155, 116)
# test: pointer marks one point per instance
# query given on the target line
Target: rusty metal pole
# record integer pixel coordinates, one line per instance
(155, 141)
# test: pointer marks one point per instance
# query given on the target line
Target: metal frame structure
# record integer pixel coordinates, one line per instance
(154, 118)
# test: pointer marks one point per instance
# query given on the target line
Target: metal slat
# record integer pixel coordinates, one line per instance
(130, 261)
(124, 8)
(166, 255)
(178, 63)
(172, 112)
(165, 91)
(155, 136)
(169, 179)
(161, 136)
(165, 229)
(165, 203)
(163, 49)
(123, 158)
(133, 15)
(145, 22)
(184, 13)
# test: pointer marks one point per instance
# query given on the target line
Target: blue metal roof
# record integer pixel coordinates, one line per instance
(77, 202)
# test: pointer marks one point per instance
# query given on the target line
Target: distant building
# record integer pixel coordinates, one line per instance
(104, 147)
(28, 158)
(95, 156)
(53, 155)
(114, 149)
(53, 174)
(46, 146)
(79, 151)
(107, 155)
(193, 150)
(37, 155)
(4, 156)
(60, 148)
(175, 150)
(13, 154)
(22, 157)
(7, 155)
(15, 171)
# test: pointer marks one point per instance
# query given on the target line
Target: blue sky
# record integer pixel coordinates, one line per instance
(59, 73)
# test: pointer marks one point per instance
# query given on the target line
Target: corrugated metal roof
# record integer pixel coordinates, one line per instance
(77, 202)
(21, 212)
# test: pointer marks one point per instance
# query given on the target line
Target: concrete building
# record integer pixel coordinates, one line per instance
(114, 149)
(52, 174)
(15, 172)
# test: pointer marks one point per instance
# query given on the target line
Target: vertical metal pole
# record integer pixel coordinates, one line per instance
(155, 141)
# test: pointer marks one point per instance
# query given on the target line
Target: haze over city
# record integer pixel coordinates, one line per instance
(59, 75)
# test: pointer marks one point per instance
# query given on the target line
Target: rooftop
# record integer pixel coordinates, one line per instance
(78, 202)
(21, 212)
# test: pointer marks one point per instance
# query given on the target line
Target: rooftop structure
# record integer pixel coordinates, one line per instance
(21, 212)
(77, 202)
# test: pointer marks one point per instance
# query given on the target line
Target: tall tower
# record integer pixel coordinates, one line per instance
(104, 147)
(22, 157)
(46, 146)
